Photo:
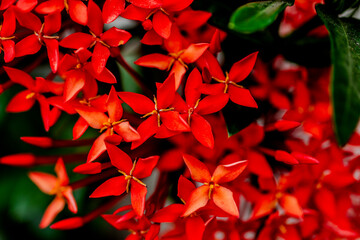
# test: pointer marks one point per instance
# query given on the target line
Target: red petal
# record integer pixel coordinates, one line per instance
(193, 52)
(105, 76)
(20, 102)
(119, 159)
(78, 12)
(45, 111)
(223, 198)
(178, 70)
(112, 9)
(52, 47)
(113, 105)
(100, 57)
(61, 172)
(75, 81)
(20, 159)
(146, 3)
(198, 170)
(27, 46)
(166, 93)
(77, 40)
(279, 100)
(50, 7)
(284, 125)
(9, 50)
(193, 87)
(227, 173)
(155, 60)
(52, 23)
(185, 188)
(79, 128)
(198, 198)
(176, 5)
(139, 103)
(285, 157)
(194, 228)
(88, 168)
(8, 24)
(168, 214)
(173, 121)
(146, 129)
(241, 96)
(201, 130)
(70, 200)
(135, 13)
(55, 207)
(304, 158)
(69, 223)
(212, 104)
(28, 20)
(151, 38)
(97, 148)
(258, 165)
(241, 69)
(43, 142)
(26, 5)
(95, 22)
(113, 187)
(94, 118)
(127, 132)
(144, 166)
(44, 181)
(162, 24)
(326, 203)
(291, 206)
(138, 194)
(213, 89)
(116, 37)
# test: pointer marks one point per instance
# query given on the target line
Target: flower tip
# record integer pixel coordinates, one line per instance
(20, 160)
(88, 168)
(67, 224)
(43, 142)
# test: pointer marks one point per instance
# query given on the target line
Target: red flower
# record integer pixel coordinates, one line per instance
(222, 197)
(58, 186)
(131, 172)
(7, 30)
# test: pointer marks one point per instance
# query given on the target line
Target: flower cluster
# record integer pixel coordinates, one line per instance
(281, 177)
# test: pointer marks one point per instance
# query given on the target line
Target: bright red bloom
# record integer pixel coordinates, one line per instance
(222, 197)
(102, 42)
(42, 36)
(7, 30)
(58, 186)
(131, 172)
(229, 83)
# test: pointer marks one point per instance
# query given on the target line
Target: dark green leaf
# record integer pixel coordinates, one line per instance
(341, 5)
(345, 82)
(256, 16)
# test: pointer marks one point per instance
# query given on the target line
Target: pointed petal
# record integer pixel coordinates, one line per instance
(168, 214)
(19, 159)
(147, 3)
(185, 188)
(61, 172)
(52, 47)
(198, 199)
(94, 118)
(78, 12)
(100, 57)
(52, 23)
(138, 194)
(223, 198)
(193, 52)
(242, 97)
(146, 129)
(166, 93)
(97, 148)
(95, 22)
(9, 50)
(291, 206)
(112, 9)
(113, 187)
(135, 13)
(55, 207)
(194, 228)
(213, 89)
(69, 223)
(79, 128)
(193, 87)
(176, 5)
(178, 70)
(212, 104)
(27, 46)
(173, 121)
(258, 165)
(77, 40)
(113, 105)
(201, 130)
(119, 159)
(20, 102)
(20, 77)
(127, 132)
(198, 170)
(105, 76)
(116, 37)
(45, 111)
(155, 60)
(49, 7)
(285, 157)
(264, 206)
(162, 24)
(74, 82)
(44, 181)
(139, 103)
(8, 24)
(151, 38)
(227, 173)
(326, 202)
(145, 166)
(68, 194)
(28, 20)
(241, 69)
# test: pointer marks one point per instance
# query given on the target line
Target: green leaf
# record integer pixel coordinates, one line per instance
(341, 5)
(256, 16)
(345, 81)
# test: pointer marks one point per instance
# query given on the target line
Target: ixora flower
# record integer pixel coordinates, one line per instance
(212, 190)
(58, 186)
(132, 172)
